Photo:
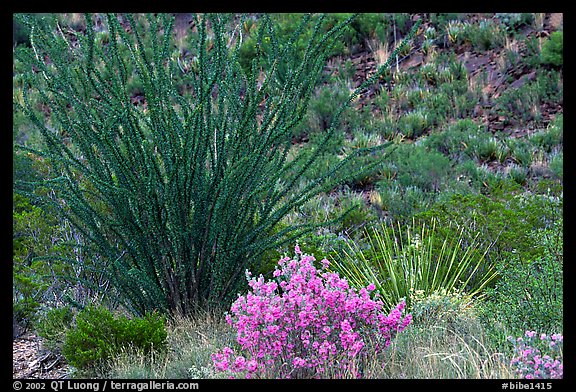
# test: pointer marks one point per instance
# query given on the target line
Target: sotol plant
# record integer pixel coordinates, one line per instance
(400, 262)
(179, 197)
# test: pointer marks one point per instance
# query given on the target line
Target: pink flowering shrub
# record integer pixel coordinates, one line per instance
(528, 361)
(307, 323)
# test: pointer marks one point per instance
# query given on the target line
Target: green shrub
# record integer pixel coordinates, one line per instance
(513, 21)
(524, 103)
(551, 137)
(518, 174)
(401, 203)
(54, 326)
(557, 165)
(418, 166)
(323, 107)
(504, 218)
(552, 49)
(520, 151)
(484, 35)
(529, 292)
(98, 336)
(414, 123)
(452, 140)
(33, 233)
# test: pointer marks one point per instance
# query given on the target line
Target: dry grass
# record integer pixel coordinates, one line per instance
(190, 345)
(439, 352)
(379, 50)
(425, 350)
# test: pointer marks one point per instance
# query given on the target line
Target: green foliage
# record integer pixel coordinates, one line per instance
(529, 293)
(21, 32)
(520, 151)
(54, 326)
(177, 198)
(452, 141)
(484, 35)
(98, 336)
(401, 261)
(552, 49)
(427, 98)
(414, 123)
(412, 179)
(287, 31)
(518, 173)
(32, 230)
(344, 212)
(524, 102)
(557, 165)
(322, 109)
(417, 166)
(504, 218)
(401, 203)
(550, 138)
(513, 21)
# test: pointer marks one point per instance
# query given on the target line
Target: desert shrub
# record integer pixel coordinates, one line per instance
(177, 198)
(54, 326)
(412, 177)
(455, 31)
(520, 151)
(524, 102)
(307, 323)
(452, 140)
(420, 167)
(458, 350)
(513, 21)
(440, 308)
(552, 49)
(343, 212)
(98, 335)
(557, 165)
(34, 233)
(518, 173)
(529, 292)
(414, 123)
(401, 203)
(484, 35)
(505, 217)
(551, 137)
(322, 108)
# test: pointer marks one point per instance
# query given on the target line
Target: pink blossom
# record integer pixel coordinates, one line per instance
(299, 330)
(528, 360)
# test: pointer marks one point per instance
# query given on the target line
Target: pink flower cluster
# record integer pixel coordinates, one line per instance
(528, 360)
(307, 323)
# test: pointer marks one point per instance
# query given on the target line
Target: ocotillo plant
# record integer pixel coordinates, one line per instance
(177, 199)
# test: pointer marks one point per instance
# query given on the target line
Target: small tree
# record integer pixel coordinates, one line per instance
(177, 198)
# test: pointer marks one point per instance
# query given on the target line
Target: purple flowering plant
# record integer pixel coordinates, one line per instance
(306, 323)
(528, 360)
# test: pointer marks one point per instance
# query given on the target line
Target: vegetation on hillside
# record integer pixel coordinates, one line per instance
(158, 158)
